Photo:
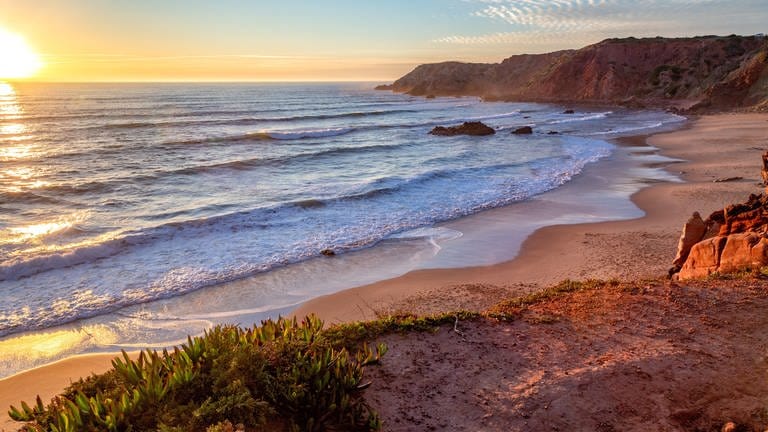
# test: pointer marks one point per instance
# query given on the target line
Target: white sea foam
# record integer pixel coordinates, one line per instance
(579, 118)
(316, 133)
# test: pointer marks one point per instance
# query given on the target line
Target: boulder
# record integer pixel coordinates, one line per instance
(468, 128)
(732, 239)
(569, 111)
(703, 259)
(749, 216)
(737, 253)
(764, 169)
(693, 232)
(524, 130)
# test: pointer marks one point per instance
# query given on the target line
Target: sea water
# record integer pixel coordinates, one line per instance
(118, 195)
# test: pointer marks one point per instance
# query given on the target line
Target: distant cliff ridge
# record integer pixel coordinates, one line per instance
(700, 73)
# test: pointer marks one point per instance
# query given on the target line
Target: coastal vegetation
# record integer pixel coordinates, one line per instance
(282, 375)
(299, 376)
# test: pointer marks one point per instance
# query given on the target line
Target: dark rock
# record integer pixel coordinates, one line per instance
(727, 179)
(569, 111)
(467, 128)
(383, 87)
(328, 252)
(524, 130)
(553, 133)
(430, 96)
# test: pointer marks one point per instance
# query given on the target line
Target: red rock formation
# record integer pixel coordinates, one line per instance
(693, 232)
(707, 72)
(740, 243)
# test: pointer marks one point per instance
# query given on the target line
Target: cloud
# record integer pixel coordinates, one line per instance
(539, 22)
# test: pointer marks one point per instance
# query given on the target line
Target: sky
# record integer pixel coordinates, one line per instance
(335, 40)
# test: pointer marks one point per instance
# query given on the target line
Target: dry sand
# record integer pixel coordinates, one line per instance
(714, 147)
(47, 381)
(648, 356)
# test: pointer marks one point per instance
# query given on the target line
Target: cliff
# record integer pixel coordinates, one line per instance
(707, 72)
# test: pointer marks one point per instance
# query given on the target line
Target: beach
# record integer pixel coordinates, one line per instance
(710, 147)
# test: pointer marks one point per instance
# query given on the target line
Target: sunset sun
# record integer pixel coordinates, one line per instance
(17, 58)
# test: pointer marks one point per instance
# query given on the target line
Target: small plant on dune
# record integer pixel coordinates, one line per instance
(282, 375)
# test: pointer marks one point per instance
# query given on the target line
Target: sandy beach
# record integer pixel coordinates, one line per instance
(713, 147)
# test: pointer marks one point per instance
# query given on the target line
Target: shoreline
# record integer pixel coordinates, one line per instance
(473, 287)
(487, 237)
(626, 249)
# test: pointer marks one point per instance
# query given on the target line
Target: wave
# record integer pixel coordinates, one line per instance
(267, 135)
(514, 113)
(239, 231)
(29, 197)
(246, 114)
(650, 125)
(295, 134)
(312, 133)
(264, 217)
(330, 132)
(248, 120)
(576, 118)
(105, 186)
(15, 269)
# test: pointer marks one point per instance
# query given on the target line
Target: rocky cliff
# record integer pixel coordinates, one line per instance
(707, 72)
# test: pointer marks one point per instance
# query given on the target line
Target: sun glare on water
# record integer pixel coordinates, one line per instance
(17, 59)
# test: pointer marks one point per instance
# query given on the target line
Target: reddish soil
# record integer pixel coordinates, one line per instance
(641, 356)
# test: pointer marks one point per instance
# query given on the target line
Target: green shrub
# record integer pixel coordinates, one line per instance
(280, 375)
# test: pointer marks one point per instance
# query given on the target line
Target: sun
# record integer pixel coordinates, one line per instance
(17, 59)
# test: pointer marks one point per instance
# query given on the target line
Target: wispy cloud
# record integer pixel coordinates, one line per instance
(537, 22)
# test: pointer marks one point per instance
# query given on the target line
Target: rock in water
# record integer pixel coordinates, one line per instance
(525, 130)
(467, 128)
(569, 111)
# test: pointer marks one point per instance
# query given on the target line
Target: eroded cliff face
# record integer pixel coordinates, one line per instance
(701, 73)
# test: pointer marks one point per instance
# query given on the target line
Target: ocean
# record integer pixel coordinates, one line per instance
(115, 198)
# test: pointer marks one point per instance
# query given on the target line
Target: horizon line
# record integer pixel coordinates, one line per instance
(182, 81)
